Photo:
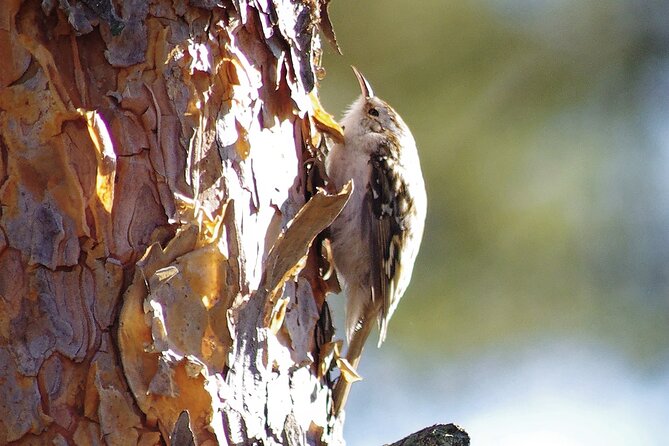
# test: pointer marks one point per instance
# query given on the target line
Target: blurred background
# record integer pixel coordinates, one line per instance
(538, 312)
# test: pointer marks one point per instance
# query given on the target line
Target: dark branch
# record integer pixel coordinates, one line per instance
(437, 435)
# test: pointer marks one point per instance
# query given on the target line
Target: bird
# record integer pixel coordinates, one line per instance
(376, 237)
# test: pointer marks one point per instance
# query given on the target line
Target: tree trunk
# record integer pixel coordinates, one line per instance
(158, 176)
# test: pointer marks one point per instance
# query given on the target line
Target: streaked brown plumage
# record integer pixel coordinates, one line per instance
(376, 238)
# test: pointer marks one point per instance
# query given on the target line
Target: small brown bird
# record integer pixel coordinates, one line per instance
(375, 239)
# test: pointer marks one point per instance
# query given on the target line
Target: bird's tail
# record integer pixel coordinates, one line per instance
(355, 347)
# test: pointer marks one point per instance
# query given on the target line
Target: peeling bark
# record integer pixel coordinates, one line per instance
(157, 223)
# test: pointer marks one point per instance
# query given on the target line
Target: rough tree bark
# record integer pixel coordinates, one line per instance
(157, 215)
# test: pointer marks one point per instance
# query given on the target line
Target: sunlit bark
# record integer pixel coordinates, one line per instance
(151, 156)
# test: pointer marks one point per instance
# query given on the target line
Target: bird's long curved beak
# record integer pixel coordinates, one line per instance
(364, 85)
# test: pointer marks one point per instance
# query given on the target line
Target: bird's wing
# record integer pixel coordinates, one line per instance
(382, 209)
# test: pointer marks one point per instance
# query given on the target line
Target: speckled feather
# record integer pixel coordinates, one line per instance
(376, 237)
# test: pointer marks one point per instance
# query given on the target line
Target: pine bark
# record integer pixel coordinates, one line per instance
(159, 221)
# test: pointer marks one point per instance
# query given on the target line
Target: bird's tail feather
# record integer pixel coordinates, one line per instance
(356, 345)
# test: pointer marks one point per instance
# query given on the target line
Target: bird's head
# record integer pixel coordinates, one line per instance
(371, 115)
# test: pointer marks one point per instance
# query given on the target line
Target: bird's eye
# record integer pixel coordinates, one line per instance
(373, 112)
